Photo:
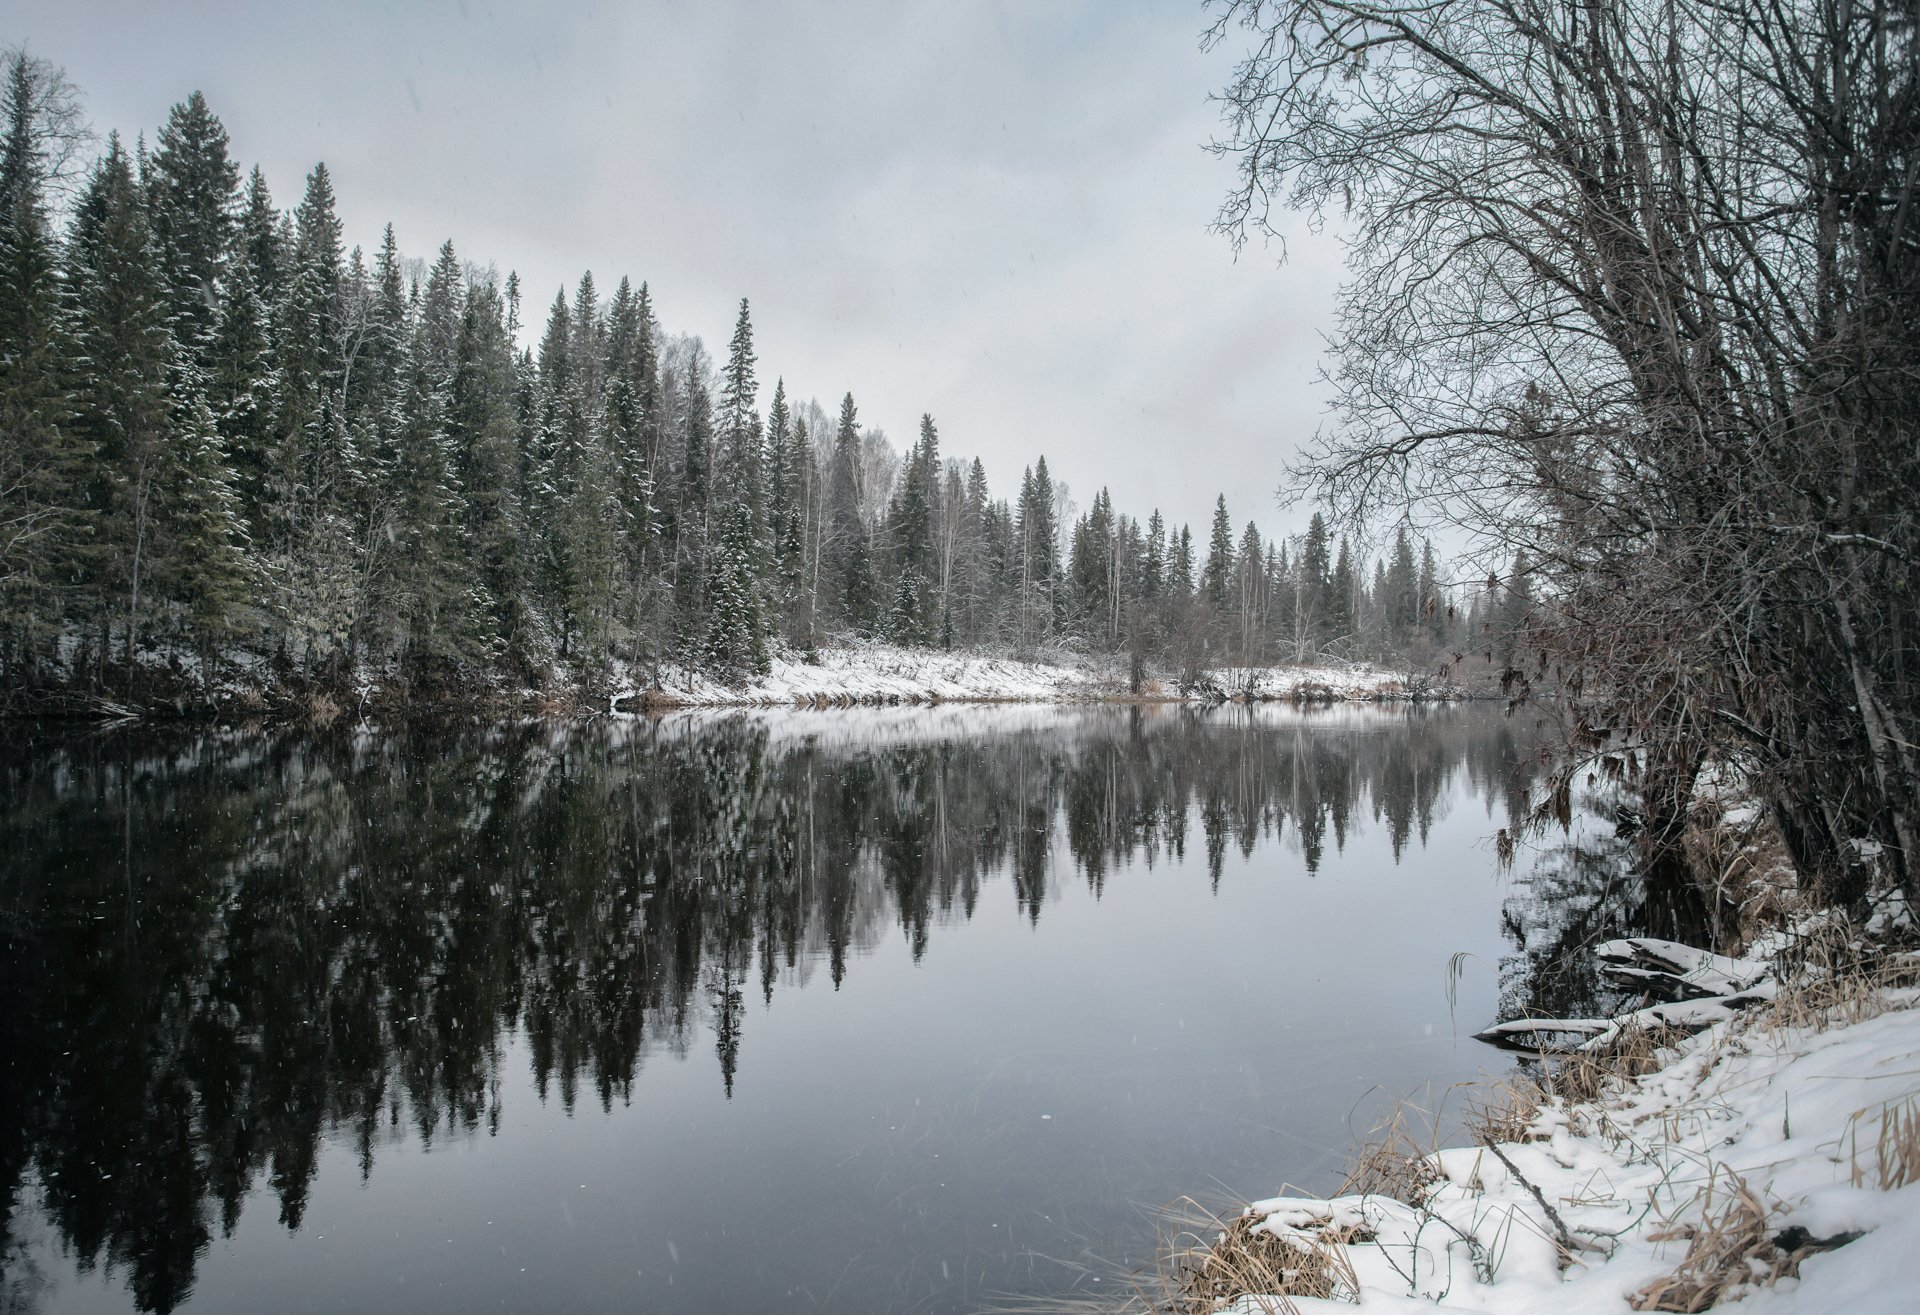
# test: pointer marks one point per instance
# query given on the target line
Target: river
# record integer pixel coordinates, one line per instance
(872, 1010)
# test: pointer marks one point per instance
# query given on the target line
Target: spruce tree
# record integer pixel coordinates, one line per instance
(436, 586)
(1313, 585)
(737, 425)
(241, 383)
(1341, 587)
(202, 550)
(1515, 608)
(853, 574)
(787, 467)
(693, 545)
(1432, 608)
(1249, 593)
(1218, 572)
(482, 425)
(1402, 599)
(1181, 587)
(45, 462)
(736, 639)
(121, 333)
(311, 471)
(193, 195)
(1153, 572)
(261, 238)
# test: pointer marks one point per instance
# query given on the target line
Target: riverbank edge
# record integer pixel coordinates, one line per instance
(173, 687)
(1771, 1158)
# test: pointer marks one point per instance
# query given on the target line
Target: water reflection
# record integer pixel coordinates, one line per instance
(217, 951)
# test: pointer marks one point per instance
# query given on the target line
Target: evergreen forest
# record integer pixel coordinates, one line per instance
(236, 444)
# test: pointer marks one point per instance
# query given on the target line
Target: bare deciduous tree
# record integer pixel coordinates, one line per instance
(1633, 289)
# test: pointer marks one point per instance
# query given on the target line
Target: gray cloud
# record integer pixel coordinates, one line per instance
(995, 213)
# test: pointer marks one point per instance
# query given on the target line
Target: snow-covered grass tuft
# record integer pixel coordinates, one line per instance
(1213, 1263)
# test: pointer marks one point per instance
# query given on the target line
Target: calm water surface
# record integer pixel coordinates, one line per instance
(889, 1010)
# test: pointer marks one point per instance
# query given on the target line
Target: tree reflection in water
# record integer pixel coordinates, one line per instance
(220, 949)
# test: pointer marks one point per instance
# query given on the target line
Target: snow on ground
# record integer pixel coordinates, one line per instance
(870, 728)
(878, 673)
(1754, 1129)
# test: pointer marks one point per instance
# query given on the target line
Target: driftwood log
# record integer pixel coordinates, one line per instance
(1694, 989)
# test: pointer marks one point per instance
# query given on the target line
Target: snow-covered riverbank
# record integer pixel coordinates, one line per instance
(1774, 1159)
(882, 674)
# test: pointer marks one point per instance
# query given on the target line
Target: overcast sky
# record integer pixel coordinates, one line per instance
(996, 213)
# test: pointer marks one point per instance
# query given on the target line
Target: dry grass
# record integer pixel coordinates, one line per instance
(1830, 976)
(1505, 1114)
(1212, 1262)
(1730, 1249)
(1586, 1075)
(1396, 1159)
(1747, 870)
(1896, 1150)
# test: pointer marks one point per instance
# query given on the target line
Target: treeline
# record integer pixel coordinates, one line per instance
(228, 435)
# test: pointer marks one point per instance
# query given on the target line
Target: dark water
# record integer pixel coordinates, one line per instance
(860, 1011)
